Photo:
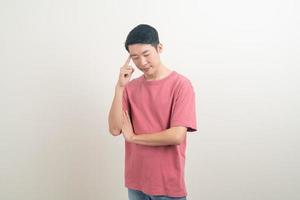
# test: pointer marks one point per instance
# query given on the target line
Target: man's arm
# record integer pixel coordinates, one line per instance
(171, 136)
(115, 113)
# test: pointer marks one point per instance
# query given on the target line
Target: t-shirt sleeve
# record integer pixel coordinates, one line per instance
(184, 110)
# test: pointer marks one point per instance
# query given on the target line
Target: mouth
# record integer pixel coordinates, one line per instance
(146, 69)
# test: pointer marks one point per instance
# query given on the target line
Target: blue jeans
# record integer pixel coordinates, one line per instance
(138, 195)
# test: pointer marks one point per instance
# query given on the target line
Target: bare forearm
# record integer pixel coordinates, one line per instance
(115, 113)
(171, 136)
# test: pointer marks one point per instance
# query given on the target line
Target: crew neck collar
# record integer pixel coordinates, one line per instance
(154, 82)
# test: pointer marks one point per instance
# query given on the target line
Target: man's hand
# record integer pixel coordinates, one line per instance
(127, 129)
(125, 73)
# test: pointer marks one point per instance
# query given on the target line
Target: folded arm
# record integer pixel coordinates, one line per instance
(171, 136)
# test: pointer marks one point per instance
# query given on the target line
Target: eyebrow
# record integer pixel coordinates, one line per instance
(142, 53)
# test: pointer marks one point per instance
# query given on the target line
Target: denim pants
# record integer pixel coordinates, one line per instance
(138, 195)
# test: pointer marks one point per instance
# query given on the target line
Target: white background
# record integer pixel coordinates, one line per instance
(59, 62)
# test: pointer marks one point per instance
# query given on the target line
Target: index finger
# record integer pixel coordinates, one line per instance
(127, 115)
(128, 60)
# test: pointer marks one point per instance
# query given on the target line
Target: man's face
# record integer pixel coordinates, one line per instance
(145, 57)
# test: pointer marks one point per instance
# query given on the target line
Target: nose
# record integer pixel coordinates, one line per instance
(143, 61)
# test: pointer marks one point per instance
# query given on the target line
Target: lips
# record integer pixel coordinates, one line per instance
(146, 69)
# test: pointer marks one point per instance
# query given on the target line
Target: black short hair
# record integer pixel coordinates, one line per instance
(142, 34)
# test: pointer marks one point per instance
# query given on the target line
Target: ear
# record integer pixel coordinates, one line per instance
(159, 48)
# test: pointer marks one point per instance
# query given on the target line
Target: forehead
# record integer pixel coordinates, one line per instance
(138, 49)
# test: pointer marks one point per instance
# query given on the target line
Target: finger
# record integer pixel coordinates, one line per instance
(127, 61)
(123, 117)
(126, 74)
(128, 117)
(125, 70)
(129, 67)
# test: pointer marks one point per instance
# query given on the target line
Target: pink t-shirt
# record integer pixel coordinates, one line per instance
(155, 106)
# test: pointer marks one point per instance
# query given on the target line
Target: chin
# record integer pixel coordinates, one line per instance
(149, 71)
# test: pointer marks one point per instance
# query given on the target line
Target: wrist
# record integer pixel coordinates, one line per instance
(119, 88)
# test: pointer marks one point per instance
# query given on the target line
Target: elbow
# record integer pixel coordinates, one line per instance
(113, 128)
(114, 132)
